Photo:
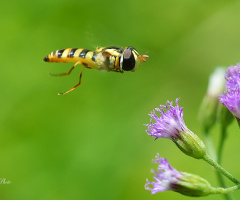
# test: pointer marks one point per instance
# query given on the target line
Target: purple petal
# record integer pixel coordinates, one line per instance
(165, 177)
(231, 97)
(169, 124)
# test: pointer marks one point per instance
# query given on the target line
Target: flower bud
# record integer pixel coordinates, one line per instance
(193, 185)
(190, 144)
(208, 108)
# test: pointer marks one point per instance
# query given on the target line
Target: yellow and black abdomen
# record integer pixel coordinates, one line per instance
(71, 55)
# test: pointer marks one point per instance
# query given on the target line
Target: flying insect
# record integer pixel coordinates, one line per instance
(112, 58)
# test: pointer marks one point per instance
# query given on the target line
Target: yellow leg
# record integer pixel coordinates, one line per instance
(66, 73)
(80, 77)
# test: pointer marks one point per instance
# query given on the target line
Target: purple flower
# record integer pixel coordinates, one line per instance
(165, 178)
(233, 77)
(168, 178)
(231, 100)
(171, 125)
(231, 97)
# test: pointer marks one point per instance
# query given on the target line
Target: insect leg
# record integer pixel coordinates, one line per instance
(66, 73)
(80, 78)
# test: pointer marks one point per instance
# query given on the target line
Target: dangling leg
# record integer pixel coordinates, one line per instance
(66, 73)
(80, 78)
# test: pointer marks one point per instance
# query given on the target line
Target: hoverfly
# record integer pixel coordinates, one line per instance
(112, 58)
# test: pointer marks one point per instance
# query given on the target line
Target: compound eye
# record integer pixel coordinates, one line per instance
(128, 62)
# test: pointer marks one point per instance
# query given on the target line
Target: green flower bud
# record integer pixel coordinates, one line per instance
(208, 108)
(193, 185)
(208, 112)
(190, 144)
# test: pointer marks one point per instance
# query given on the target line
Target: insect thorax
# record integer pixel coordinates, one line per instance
(109, 58)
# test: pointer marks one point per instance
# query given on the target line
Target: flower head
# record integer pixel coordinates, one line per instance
(231, 97)
(233, 77)
(231, 100)
(165, 177)
(171, 125)
(168, 178)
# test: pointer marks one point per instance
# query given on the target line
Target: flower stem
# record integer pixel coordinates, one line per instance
(211, 149)
(226, 190)
(218, 167)
(210, 145)
(222, 140)
(219, 158)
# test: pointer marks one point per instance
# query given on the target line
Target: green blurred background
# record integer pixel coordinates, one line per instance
(91, 143)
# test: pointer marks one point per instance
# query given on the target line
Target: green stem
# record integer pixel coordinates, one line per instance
(219, 158)
(221, 181)
(219, 155)
(211, 150)
(218, 167)
(210, 145)
(226, 190)
(222, 140)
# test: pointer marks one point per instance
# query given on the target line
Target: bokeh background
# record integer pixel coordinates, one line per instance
(91, 143)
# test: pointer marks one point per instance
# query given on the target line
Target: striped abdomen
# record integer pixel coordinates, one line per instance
(71, 55)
